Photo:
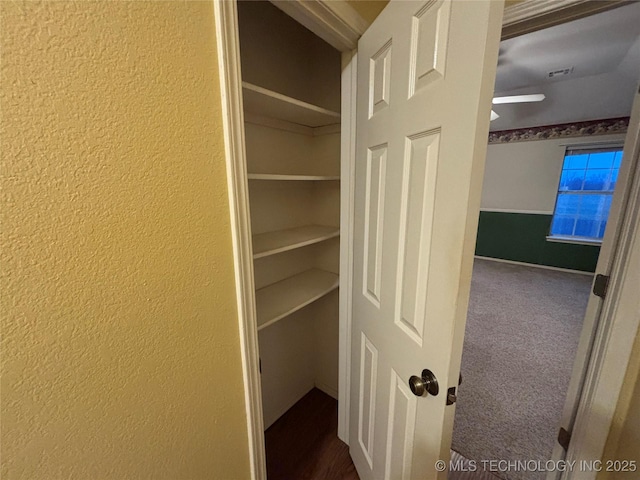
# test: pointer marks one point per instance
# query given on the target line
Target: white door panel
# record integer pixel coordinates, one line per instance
(425, 80)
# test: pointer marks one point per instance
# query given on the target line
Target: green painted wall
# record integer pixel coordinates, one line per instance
(521, 237)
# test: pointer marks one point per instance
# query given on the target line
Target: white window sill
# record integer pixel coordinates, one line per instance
(574, 240)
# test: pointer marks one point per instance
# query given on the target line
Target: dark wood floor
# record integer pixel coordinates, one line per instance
(304, 443)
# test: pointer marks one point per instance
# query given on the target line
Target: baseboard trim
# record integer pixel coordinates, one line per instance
(332, 392)
(545, 267)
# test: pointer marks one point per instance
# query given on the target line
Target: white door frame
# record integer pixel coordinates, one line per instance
(602, 385)
(614, 322)
(228, 49)
(347, 205)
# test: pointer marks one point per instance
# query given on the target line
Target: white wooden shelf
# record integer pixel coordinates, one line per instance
(264, 102)
(265, 244)
(280, 299)
(277, 176)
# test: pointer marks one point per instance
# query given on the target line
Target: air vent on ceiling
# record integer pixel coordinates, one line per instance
(562, 72)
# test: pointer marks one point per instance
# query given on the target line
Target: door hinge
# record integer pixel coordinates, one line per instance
(600, 285)
(452, 396)
(260, 365)
(564, 438)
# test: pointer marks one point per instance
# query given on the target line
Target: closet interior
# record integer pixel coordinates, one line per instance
(291, 95)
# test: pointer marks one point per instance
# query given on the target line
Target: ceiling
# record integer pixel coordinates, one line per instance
(604, 52)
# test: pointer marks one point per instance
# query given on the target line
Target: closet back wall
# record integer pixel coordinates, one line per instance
(272, 43)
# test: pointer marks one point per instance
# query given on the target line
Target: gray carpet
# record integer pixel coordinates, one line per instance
(522, 333)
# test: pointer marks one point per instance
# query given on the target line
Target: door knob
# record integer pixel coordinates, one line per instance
(426, 383)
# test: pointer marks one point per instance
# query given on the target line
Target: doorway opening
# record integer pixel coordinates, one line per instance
(291, 100)
(287, 173)
(551, 169)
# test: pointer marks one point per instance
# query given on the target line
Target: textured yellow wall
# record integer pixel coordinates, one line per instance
(623, 442)
(120, 346)
(629, 441)
(368, 9)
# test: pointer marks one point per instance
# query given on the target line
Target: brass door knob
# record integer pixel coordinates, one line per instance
(426, 383)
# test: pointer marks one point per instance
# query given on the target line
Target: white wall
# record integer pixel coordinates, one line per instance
(524, 176)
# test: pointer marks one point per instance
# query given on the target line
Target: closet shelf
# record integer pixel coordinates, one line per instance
(280, 299)
(265, 244)
(277, 176)
(268, 103)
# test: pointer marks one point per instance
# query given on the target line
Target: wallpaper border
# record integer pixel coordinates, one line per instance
(564, 130)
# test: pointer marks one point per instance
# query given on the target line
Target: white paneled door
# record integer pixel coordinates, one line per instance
(426, 71)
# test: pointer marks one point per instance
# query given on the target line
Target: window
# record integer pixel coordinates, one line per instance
(588, 178)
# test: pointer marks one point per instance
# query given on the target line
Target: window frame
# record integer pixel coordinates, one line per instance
(575, 239)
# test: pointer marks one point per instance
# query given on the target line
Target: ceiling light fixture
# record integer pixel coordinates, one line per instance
(536, 97)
